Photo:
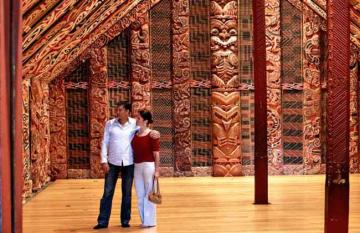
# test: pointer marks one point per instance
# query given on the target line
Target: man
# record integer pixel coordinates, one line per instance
(117, 157)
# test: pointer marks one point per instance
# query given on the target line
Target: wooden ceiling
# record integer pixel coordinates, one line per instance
(55, 32)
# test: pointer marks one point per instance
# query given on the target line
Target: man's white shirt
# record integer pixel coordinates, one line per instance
(116, 145)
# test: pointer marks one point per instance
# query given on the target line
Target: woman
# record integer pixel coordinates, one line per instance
(147, 161)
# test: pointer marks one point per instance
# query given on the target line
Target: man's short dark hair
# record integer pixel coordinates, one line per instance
(125, 105)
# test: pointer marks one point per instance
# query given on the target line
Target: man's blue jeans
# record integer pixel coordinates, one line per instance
(127, 176)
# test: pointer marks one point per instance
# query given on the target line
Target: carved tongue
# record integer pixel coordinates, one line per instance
(226, 124)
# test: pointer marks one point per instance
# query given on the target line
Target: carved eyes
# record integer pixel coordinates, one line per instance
(215, 32)
(233, 32)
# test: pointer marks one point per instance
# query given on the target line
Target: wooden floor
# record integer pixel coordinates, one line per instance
(206, 205)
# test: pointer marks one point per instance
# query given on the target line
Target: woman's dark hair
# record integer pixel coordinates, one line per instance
(125, 105)
(146, 115)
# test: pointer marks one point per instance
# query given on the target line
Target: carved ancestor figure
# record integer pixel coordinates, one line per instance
(312, 91)
(225, 81)
(226, 133)
(140, 63)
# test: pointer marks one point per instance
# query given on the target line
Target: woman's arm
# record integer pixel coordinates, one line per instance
(157, 163)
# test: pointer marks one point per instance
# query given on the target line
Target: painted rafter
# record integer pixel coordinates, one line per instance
(68, 39)
(38, 12)
(106, 32)
(70, 21)
(28, 4)
(34, 33)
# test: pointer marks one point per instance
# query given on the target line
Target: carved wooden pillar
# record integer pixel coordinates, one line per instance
(273, 68)
(312, 91)
(140, 64)
(261, 156)
(225, 84)
(181, 87)
(27, 189)
(337, 162)
(99, 111)
(354, 111)
(58, 147)
(40, 134)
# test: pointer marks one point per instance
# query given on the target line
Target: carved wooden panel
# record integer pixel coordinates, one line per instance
(99, 111)
(58, 149)
(354, 111)
(225, 80)
(40, 134)
(181, 86)
(27, 189)
(140, 64)
(272, 14)
(312, 91)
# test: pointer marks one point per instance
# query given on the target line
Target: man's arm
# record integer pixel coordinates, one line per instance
(104, 148)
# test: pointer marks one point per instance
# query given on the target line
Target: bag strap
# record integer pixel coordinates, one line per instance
(158, 186)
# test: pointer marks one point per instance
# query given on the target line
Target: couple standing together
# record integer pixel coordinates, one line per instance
(131, 149)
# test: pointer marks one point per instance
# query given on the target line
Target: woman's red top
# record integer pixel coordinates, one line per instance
(143, 148)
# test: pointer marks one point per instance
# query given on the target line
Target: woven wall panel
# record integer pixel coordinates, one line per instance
(162, 113)
(246, 77)
(292, 115)
(199, 26)
(160, 31)
(116, 96)
(201, 127)
(291, 41)
(292, 126)
(247, 127)
(78, 144)
(118, 67)
(246, 41)
(118, 58)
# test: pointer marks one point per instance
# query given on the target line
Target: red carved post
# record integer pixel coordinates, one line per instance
(11, 162)
(337, 169)
(261, 158)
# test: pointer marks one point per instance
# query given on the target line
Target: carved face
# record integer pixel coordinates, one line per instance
(223, 34)
(312, 50)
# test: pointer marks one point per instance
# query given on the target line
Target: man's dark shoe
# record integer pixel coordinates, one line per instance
(100, 226)
(125, 225)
